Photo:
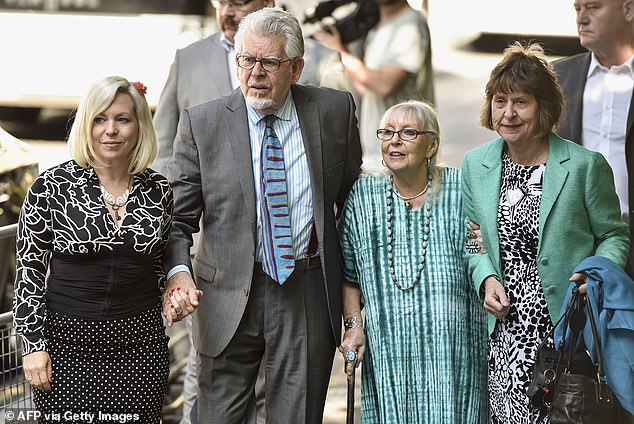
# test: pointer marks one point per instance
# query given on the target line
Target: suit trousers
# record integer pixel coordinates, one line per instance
(287, 328)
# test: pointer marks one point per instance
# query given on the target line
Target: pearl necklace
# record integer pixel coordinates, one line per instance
(115, 202)
(390, 250)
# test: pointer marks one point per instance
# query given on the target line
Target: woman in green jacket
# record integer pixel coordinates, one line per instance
(543, 204)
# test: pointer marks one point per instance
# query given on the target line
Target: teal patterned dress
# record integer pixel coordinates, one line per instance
(425, 360)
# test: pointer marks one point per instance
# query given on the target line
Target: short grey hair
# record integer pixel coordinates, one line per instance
(272, 21)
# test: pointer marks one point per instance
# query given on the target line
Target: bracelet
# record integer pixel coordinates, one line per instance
(353, 322)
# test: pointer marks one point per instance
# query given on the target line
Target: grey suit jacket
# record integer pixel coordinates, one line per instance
(200, 73)
(212, 175)
(571, 74)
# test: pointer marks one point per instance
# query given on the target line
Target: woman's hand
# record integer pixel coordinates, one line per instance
(180, 297)
(474, 235)
(353, 340)
(580, 276)
(38, 370)
(495, 300)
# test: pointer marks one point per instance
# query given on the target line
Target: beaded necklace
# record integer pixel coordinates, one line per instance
(425, 231)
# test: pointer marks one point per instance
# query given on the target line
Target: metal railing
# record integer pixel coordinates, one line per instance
(16, 391)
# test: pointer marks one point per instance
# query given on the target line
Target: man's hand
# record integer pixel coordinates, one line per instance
(38, 370)
(495, 300)
(180, 297)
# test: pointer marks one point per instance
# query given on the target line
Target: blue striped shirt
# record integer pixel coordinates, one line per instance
(300, 196)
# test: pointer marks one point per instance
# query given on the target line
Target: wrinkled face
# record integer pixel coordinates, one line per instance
(266, 91)
(514, 116)
(115, 131)
(601, 22)
(230, 13)
(407, 156)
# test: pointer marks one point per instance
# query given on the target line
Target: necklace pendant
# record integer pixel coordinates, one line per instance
(408, 205)
(513, 196)
(117, 216)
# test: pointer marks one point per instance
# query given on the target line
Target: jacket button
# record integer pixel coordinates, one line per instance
(543, 261)
(246, 292)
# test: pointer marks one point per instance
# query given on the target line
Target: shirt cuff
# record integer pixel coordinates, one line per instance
(178, 268)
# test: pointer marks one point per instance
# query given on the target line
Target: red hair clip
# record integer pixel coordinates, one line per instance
(140, 87)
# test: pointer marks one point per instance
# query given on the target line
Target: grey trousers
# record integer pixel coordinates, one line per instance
(287, 328)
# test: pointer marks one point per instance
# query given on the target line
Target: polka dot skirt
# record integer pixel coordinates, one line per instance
(106, 369)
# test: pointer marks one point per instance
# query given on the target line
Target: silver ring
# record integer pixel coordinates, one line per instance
(473, 247)
(471, 235)
(178, 312)
(351, 356)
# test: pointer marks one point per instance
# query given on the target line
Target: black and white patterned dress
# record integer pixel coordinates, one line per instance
(88, 293)
(513, 344)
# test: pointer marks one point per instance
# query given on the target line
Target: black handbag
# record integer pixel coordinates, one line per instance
(572, 389)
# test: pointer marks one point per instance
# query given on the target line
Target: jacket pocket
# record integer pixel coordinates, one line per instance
(204, 271)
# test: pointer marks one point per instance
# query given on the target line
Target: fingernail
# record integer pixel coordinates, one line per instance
(171, 294)
(171, 306)
(179, 288)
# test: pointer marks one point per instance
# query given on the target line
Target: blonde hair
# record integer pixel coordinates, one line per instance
(99, 97)
(525, 69)
(425, 116)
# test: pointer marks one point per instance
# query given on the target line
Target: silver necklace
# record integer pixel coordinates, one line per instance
(405, 198)
(115, 202)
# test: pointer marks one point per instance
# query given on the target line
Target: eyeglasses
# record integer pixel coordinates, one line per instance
(405, 134)
(236, 4)
(269, 64)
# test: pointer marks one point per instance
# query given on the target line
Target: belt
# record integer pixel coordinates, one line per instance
(301, 265)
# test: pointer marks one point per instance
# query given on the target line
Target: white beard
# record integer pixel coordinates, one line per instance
(258, 103)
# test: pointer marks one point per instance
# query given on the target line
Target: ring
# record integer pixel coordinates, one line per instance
(351, 356)
(471, 235)
(473, 247)
(178, 312)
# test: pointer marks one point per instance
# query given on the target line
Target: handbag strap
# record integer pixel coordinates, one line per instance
(564, 315)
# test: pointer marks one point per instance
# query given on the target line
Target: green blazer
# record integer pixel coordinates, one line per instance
(579, 215)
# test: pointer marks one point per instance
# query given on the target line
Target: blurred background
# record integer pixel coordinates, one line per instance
(52, 50)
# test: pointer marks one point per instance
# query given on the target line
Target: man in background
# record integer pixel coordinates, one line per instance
(598, 89)
(396, 66)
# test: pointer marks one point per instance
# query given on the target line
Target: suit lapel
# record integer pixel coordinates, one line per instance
(236, 129)
(490, 180)
(216, 62)
(576, 83)
(554, 178)
(308, 115)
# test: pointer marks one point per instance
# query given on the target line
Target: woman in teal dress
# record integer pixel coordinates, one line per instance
(403, 236)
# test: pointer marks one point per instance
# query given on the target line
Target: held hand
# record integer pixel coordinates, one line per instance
(474, 237)
(580, 276)
(38, 370)
(495, 300)
(180, 298)
(353, 341)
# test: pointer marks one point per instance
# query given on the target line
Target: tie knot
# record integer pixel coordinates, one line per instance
(269, 119)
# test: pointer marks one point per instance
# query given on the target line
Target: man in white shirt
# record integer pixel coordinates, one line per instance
(598, 88)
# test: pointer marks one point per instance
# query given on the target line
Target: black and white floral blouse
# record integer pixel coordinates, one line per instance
(65, 214)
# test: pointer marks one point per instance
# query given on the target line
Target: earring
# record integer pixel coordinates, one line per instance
(428, 161)
(383, 163)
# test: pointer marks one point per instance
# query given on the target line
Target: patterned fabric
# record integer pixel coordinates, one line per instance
(117, 366)
(513, 344)
(425, 358)
(277, 241)
(63, 212)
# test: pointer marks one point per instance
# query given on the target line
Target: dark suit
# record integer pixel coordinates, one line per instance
(212, 175)
(571, 74)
